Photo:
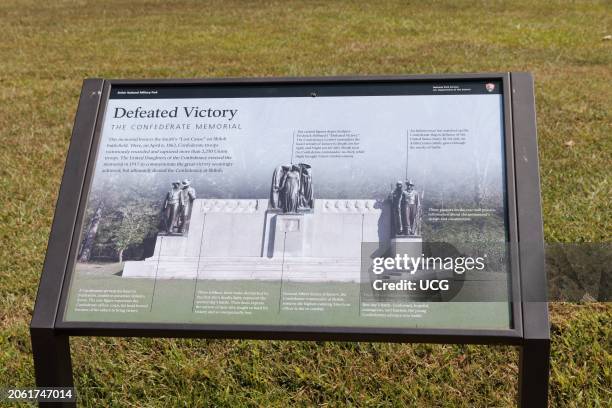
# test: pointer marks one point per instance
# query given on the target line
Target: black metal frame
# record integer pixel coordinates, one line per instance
(530, 331)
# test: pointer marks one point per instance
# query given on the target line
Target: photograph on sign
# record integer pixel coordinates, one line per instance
(372, 209)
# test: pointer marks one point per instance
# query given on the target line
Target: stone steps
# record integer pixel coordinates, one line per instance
(237, 268)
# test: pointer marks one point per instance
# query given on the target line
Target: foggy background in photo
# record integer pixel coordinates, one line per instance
(468, 174)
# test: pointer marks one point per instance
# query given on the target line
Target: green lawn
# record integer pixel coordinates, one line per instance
(47, 48)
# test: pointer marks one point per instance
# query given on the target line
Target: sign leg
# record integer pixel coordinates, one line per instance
(534, 369)
(52, 363)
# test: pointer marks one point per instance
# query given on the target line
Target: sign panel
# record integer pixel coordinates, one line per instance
(374, 205)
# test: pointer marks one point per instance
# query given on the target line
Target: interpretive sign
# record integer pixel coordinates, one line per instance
(385, 209)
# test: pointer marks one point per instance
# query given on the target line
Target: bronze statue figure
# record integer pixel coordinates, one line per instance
(306, 186)
(278, 174)
(398, 203)
(291, 190)
(412, 209)
(188, 195)
(171, 207)
(405, 210)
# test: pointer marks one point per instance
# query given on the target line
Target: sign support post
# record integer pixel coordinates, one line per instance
(533, 373)
(52, 363)
(535, 351)
(50, 349)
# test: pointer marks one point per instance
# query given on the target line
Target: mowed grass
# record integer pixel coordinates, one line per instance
(47, 48)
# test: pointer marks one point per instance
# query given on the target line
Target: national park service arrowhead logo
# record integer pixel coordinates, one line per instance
(490, 87)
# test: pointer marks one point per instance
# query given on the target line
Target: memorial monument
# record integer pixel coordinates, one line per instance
(291, 190)
(406, 220)
(290, 234)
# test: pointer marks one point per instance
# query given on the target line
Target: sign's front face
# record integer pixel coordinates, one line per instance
(365, 205)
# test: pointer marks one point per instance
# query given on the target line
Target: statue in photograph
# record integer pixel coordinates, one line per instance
(277, 177)
(290, 190)
(171, 207)
(397, 199)
(306, 194)
(188, 195)
(412, 212)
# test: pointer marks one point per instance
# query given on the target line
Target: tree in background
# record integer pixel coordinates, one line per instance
(118, 218)
(135, 220)
(90, 234)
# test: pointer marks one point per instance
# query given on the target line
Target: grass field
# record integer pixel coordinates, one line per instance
(47, 48)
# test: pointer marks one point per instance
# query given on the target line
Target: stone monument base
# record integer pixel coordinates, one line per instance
(411, 245)
(245, 239)
(298, 269)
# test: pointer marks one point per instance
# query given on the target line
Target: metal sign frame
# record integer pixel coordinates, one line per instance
(50, 333)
